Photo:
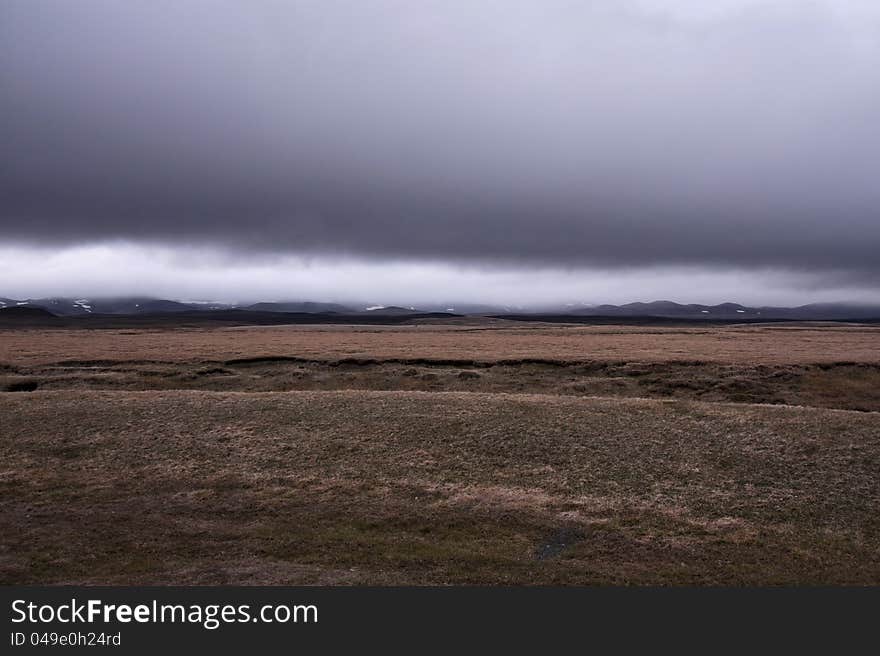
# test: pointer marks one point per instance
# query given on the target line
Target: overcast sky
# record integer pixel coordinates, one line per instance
(488, 150)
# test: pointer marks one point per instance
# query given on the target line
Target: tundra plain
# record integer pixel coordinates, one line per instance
(471, 451)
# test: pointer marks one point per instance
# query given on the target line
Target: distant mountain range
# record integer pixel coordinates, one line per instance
(138, 305)
(71, 307)
(669, 309)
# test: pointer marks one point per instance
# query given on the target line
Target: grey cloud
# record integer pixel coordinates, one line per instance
(579, 134)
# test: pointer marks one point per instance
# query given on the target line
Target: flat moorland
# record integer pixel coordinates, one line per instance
(441, 454)
(748, 344)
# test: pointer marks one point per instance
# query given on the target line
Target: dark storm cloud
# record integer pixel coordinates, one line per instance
(575, 133)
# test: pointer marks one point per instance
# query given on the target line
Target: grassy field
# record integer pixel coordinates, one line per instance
(744, 344)
(441, 454)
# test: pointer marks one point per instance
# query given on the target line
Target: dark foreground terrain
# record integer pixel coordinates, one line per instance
(490, 453)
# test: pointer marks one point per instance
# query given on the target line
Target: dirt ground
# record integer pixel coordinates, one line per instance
(441, 454)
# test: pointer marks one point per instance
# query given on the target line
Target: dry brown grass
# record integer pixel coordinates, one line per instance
(403, 487)
(768, 344)
(156, 457)
(848, 386)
